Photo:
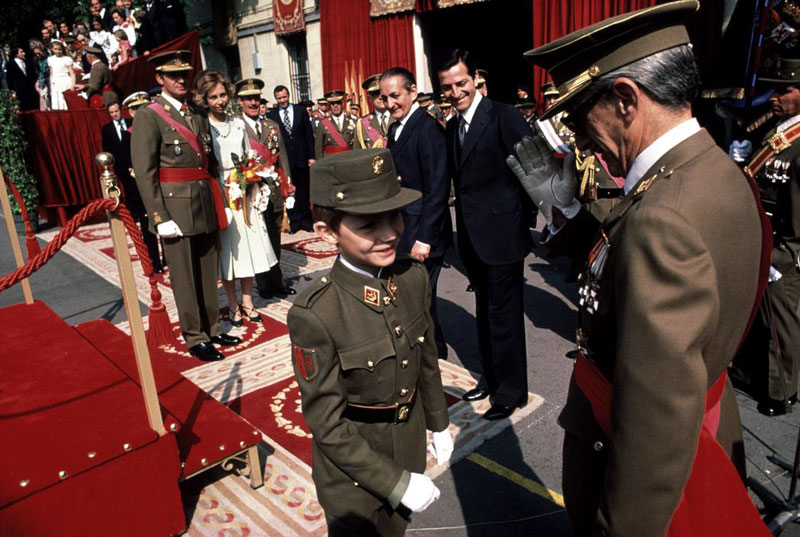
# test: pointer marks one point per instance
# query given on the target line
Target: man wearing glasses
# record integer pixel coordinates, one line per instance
(672, 277)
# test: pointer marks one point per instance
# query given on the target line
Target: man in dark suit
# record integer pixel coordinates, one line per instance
(419, 152)
(299, 138)
(493, 236)
(21, 79)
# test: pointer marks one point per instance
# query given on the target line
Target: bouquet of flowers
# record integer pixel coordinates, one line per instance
(245, 183)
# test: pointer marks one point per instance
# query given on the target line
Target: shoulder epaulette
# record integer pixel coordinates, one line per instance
(308, 296)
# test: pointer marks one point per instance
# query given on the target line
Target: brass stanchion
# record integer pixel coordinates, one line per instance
(12, 236)
(111, 190)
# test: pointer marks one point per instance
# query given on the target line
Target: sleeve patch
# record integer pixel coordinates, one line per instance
(305, 363)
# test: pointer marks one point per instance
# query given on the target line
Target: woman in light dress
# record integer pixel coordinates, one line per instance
(62, 76)
(102, 38)
(245, 249)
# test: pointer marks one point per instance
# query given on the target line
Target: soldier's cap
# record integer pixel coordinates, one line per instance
(550, 90)
(424, 98)
(136, 99)
(354, 106)
(785, 73)
(92, 50)
(480, 76)
(372, 84)
(248, 87)
(576, 59)
(527, 103)
(322, 100)
(335, 96)
(359, 182)
(172, 61)
(442, 103)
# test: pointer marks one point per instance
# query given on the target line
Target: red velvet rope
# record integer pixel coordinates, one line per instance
(23, 209)
(93, 208)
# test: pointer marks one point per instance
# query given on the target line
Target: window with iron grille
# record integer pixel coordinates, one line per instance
(298, 66)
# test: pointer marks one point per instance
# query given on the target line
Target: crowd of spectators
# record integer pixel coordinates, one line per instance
(42, 69)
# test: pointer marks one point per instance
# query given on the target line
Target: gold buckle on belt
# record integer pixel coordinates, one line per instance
(778, 142)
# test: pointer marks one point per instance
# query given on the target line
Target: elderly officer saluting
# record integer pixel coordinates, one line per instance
(364, 354)
(337, 132)
(170, 153)
(776, 168)
(265, 138)
(672, 278)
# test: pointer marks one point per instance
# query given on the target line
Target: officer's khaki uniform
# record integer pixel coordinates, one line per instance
(272, 138)
(324, 138)
(192, 259)
(757, 363)
(363, 140)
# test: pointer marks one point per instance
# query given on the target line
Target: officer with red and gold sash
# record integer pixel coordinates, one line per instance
(337, 132)
(372, 128)
(672, 278)
(173, 163)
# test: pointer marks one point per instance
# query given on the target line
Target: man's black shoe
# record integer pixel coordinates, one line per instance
(499, 412)
(225, 339)
(475, 394)
(289, 291)
(572, 355)
(205, 351)
(774, 407)
(470, 289)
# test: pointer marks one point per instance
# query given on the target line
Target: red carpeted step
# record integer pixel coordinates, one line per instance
(74, 428)
(208, 430)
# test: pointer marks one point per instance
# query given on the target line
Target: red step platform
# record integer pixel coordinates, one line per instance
(78, 455)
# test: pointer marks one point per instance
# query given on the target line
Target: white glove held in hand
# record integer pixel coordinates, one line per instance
(229, 215)
(442, 447)
(420, 494)
(540, 176)
(169, 230)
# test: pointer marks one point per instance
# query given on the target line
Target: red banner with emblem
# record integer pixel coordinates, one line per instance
(287, 16)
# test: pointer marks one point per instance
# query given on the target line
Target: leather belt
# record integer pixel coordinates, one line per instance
(396, 413)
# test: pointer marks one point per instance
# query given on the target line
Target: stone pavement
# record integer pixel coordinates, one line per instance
(511, 485)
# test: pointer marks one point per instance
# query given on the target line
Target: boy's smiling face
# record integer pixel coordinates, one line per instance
(367, 241)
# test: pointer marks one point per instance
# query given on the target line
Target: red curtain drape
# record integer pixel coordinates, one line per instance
(350, 35)
(62, 146)
(138, 75)
(555, 18)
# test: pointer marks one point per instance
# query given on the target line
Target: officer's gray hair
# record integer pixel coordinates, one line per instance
(669, 77)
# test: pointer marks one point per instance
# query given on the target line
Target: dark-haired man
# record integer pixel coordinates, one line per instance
(490, 204)
(419, 152)
(21, 79)
(671, 280)
(299, 139)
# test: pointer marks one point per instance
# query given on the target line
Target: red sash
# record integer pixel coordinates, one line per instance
(714, 502)
(374, 135)
(185, 132)
(185, 175)
(336, 135)
(286, 188)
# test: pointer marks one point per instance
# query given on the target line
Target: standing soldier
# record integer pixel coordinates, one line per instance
(170, 149)
(98, 89)
(371, 129)
(319, 114)
(776, 168)
(671, 280)
(265, 138)
(336, 133)
(528, 110)
(480, 82)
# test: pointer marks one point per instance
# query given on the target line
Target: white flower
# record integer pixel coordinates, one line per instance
(234, 191)
(266, 173)
(261, 198)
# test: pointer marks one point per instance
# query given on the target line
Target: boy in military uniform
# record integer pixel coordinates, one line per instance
(364, 354)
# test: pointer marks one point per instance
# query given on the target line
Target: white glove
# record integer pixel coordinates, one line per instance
(169, 230)
(290, 202)
(229, 215)
(442, 447)
(546, 184)
(420, 494)
(740, 151)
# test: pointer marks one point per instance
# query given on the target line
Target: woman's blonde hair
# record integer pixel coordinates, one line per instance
(205, 82)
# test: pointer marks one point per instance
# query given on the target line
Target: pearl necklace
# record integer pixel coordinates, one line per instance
(218, 132)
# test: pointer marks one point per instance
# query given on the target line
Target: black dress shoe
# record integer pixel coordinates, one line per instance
(774, 407)
(475, 394)
(470, 289)
(572, 355)
(289, 291)
(205, 351)
(499, 412)
(225, 339)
